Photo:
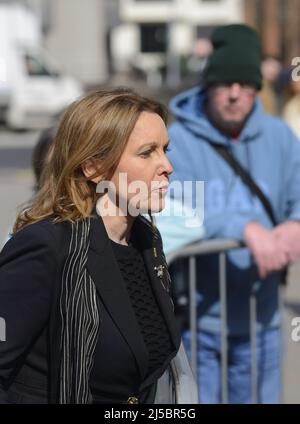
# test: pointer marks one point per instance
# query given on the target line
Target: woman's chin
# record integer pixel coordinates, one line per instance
(157, 207)
(147, 207)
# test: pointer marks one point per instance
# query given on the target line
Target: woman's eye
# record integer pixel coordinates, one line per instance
(146, 154)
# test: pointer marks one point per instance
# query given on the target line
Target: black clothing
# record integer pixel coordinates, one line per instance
(31, 266)
(151, 322)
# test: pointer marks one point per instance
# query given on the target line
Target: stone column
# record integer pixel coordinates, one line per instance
(77, 38)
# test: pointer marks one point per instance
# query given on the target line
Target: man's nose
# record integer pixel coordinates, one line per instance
(235, 90)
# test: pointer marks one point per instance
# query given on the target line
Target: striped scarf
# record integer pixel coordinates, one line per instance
(80, 320)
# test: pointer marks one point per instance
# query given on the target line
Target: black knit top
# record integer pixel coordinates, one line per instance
(149, 317)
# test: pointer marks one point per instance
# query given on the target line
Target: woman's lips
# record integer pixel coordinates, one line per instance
(162, 188)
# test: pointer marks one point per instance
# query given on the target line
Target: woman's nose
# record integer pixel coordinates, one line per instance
(167, 166)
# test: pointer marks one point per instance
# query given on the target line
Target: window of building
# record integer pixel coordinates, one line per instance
(153, 38)
(36, 67)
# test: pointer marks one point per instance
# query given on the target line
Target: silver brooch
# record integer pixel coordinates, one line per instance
(159, 270)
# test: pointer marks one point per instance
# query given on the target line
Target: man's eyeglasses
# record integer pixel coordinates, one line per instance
(246, 88)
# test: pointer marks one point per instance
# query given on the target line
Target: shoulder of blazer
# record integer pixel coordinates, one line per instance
(45, 233)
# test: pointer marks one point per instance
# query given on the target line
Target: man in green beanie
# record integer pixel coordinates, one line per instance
(236, 57)
(217, 126)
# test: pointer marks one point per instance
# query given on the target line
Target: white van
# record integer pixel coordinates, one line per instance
(32, 89)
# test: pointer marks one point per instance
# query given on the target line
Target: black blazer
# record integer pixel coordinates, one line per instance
(31, 266)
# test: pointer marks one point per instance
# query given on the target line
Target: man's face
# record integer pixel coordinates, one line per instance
(230, 104)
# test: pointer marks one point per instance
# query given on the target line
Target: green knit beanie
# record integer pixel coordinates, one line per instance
(236, 56)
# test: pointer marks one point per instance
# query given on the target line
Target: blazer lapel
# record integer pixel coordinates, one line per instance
(105, 273)
(158, 275)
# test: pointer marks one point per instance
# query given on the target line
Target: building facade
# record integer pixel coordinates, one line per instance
(278, 22)
(74, 35)
(151, 32)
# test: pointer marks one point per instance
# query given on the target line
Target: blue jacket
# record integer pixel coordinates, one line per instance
(271, 153)
(178, 226)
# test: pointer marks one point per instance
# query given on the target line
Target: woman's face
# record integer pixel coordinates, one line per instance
(142, 175)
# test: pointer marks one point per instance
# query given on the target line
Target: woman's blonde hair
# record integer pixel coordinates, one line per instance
(97, 126)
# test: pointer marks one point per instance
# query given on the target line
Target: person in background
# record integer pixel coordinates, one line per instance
(271, 69)
(179, 227)
(291, 110)
(40, 157)
(221, 119)
(42, 152)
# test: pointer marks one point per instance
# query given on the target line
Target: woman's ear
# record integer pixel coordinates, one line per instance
(89, 167)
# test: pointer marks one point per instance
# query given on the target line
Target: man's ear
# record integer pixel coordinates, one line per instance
(89, 167)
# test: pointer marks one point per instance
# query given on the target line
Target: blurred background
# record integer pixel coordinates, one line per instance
(52, 51)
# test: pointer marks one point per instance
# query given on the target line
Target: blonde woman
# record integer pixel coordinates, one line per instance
(84, 289)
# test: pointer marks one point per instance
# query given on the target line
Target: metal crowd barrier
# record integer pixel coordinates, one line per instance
(220, 247)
